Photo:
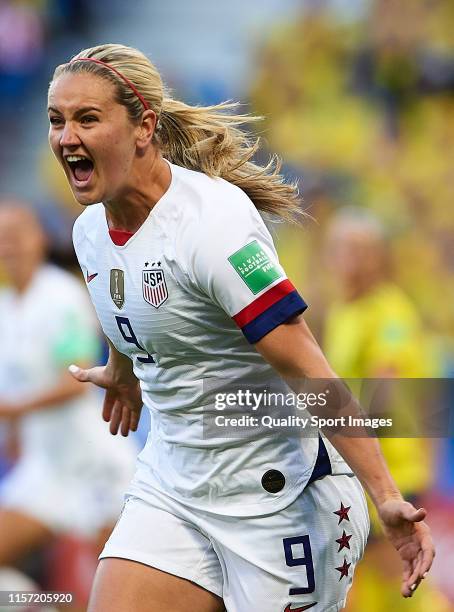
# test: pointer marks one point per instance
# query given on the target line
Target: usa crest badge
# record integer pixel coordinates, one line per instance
(154, 285)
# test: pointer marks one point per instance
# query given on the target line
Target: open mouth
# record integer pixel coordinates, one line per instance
(81, 167)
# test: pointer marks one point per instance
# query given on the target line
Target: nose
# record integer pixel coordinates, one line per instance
(69, 137)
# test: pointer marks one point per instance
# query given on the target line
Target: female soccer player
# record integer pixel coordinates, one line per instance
(187, 286)
(46, 322)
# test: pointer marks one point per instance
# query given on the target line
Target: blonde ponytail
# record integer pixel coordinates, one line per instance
(209, 139)
(204, 138)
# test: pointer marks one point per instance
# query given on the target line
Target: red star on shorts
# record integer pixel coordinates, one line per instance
(344, 541)
(343, 513)
(343, 569)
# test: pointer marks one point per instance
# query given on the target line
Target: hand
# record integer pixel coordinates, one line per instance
(410, 535)
(123, 399)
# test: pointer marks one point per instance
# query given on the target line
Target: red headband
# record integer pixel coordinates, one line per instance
(118, 73)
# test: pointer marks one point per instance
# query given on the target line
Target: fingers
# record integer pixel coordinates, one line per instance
(122, 419)
(405, 588)
(416, 570)
(93, 375)
(428, 553)
(419, 515)
(411, 577)
(410, 583)
(116, 416)
(109, 402)
(409, 513)
(415, 578)
(125, 421)
(115, 411)
(78, 373)
(130, 420)
(134, 420)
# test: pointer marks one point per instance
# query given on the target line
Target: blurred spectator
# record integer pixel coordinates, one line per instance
(374, 331)
(70, 473)
(365, 110)
(350, 101)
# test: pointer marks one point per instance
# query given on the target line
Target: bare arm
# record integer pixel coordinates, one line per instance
(293, 351)
(65, 390)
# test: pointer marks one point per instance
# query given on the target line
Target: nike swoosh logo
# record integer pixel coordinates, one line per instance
(300, 609)
(90, 277)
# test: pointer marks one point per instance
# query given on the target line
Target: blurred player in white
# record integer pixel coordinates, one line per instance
(71, 473)
(186, 283)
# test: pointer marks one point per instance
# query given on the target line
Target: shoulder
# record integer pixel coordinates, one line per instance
(66, 303)
(213, 208)
(211, 197)
(218, 231)
(63, 301)
(58, 282)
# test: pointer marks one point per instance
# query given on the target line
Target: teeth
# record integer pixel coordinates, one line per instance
(75, 158)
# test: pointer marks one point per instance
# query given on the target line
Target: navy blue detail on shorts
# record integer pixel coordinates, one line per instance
(306, 561)
(322, 465)
(290, 305)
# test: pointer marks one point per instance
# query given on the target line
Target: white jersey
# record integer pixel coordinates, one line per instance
(70, 468)
(184, 298)
(41, 330)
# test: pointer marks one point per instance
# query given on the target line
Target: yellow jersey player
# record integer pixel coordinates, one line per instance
(373, 330)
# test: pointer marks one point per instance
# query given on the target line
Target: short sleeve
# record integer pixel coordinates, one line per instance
(234, 261)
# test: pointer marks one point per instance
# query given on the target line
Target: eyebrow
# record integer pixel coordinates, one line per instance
(79, 111)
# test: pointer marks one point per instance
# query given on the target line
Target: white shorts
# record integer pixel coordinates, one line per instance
(299, 558)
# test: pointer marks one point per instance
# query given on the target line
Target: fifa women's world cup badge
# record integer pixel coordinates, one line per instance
(117, 287)
(154, 285)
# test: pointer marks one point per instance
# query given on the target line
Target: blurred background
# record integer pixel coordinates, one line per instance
(358, 99)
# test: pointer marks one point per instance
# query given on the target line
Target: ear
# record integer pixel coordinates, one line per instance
(146, 128)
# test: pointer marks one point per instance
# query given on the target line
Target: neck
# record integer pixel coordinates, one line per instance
(150, 179)
(20, 279)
